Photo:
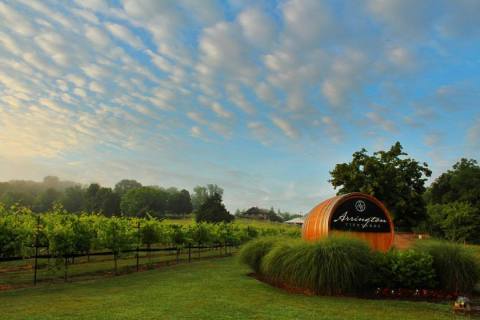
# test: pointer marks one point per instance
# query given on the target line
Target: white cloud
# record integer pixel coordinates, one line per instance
(402, 58)
(260, 132)
(309, 21)
(223, 51)
(16, 21)
(96, 87)
(287, 128)
(332, 129)
(196, 132)
(377, 119)
(97, 37)
(220, 111)
(123, 34)
(257, 27)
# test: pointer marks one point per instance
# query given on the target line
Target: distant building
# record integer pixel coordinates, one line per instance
(296, 221)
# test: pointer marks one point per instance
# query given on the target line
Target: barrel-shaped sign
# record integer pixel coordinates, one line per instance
(355, 214)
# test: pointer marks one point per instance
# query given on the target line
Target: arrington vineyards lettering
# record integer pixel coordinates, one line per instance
(370, 221)
(357, 214)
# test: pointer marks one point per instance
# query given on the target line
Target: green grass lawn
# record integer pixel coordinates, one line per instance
(20, 273)
(209, 289)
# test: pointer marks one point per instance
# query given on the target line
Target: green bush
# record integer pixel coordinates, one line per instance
(334, 265)
(253, 251)
(410, 269)
(455, 266)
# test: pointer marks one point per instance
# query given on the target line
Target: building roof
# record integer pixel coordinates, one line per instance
(295, 221)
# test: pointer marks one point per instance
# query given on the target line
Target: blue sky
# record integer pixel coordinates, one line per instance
(261, 98)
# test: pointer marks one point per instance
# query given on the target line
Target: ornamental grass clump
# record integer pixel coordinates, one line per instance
(456, 266)
(253, 251)
(335, 265)
(280, 263)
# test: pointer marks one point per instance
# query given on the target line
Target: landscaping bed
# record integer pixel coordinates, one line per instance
(431, 271)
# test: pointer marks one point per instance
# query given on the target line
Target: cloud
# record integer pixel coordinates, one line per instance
(220, 111)
(309, 21)
(257, 27)
(407, 18)
(196, 132)
(260, 132)
(287, 128)
(473, 135)
(124, 34)
(432, 139)
(333, 129)
(378, 120)
(103, 78)
(97, 37)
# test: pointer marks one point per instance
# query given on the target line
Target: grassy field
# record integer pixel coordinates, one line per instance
(19, 273)
(210, 289)
(239, 221)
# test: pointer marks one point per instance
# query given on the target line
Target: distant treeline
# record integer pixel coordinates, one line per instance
(127, 198)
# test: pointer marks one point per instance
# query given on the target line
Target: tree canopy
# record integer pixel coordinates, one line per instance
(145, 200)
(453, 203)
(390, 176)
(213, 210)
(460, 184)
(201, 194)
(125, 185)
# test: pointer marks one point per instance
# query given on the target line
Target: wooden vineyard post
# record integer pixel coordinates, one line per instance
(138, 243)
(35, 267)
(189, 252)
(115, 256)
(65, 276)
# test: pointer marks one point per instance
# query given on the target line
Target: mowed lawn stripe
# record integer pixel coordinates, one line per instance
(210, 289)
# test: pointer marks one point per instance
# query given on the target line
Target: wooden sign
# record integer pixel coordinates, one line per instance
(355, 214)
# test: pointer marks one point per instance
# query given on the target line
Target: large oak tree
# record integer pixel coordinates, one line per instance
(392, 177)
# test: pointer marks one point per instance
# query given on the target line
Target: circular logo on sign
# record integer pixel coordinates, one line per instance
(360, 205)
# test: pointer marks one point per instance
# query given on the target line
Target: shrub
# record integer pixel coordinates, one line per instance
(253, 251)
(409, 269)
(455, 266)
(334, 265)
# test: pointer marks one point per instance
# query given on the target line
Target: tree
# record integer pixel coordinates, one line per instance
(45, 201)
(201, 194)
(74, 199)
(103, 200)
(125, 185)
(145, 200)
(213, 210)
(51, 181)
(10, 198)
(179, 202)
(460, 184)
(455, 221)
(390, 176)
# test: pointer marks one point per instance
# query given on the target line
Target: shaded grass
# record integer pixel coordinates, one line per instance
(209, 289)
